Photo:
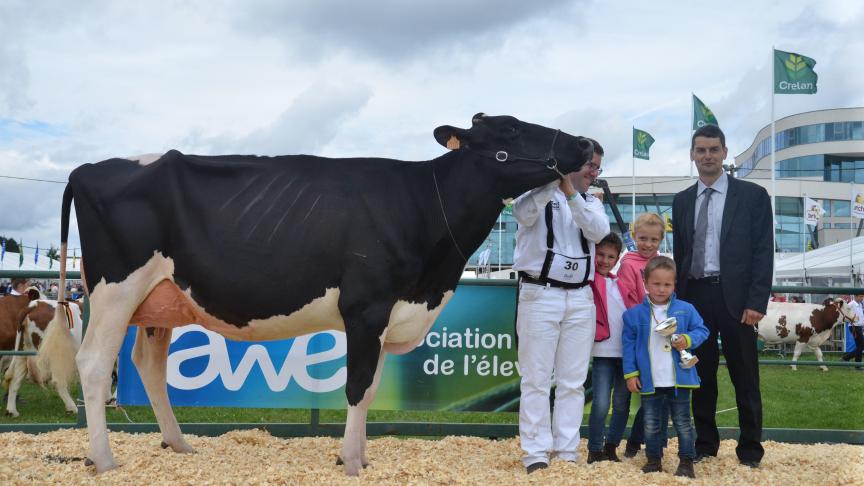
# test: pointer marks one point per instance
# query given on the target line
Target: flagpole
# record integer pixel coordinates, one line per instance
(633, 174)
(773, 175)
(806, 236)
(851, 231)
(692, 112)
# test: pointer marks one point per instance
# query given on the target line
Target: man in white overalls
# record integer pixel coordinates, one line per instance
(559, 225)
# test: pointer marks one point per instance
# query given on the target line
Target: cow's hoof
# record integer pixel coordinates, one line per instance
(183, 448)
(12, 414)
(100, 469)
(339, 462)
(824, 369)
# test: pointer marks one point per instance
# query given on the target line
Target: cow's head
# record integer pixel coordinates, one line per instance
(843, 308)
(520, 156)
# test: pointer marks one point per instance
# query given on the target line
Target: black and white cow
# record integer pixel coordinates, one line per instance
(374, 247)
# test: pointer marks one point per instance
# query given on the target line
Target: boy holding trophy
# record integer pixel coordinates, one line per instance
(657, 335)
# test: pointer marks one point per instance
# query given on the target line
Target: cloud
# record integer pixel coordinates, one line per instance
(387, 29)
(306, 126)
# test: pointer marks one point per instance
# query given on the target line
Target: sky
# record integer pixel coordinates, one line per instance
(90, 80)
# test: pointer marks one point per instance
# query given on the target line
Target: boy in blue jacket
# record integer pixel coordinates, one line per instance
(653, 368)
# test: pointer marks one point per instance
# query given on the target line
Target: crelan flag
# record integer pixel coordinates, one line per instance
(858, 205)
(793, 73)
(812, 211)
(642, 142)
(702, 115)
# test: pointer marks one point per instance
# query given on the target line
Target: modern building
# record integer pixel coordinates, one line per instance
(819, 154)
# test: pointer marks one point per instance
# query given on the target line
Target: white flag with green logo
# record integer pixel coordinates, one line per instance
(858, 205)
(812, 211)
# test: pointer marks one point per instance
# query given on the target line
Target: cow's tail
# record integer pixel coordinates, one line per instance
(65, 210)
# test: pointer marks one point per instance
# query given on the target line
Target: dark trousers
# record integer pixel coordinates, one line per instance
(858, 335)
(742, 360)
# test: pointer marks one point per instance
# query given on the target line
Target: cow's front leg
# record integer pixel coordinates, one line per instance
(818, 352)
(365, 360)
(14, 376)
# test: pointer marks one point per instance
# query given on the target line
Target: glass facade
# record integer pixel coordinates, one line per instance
(501, 243)
(821, 132)
(792, 234)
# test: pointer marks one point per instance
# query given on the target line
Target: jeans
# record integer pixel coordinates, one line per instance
(607, 378)
(657, 409)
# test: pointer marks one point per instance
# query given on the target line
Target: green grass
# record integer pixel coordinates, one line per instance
(807, 398)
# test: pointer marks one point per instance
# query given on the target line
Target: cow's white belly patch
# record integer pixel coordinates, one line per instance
(409, 323)
(322, 314)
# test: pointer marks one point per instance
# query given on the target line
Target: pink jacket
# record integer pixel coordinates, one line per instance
(630, 276)
(598, 288)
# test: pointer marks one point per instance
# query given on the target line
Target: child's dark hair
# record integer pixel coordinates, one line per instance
(613, 240)
(659, 261)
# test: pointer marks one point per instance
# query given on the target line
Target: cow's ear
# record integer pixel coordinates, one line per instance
(450, 137)
(828, 301)
(33, 294)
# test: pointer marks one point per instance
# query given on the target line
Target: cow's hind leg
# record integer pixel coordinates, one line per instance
(150, 356)
(365, 359)
(109, 319)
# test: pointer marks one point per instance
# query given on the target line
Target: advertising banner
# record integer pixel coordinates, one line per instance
(466, 362)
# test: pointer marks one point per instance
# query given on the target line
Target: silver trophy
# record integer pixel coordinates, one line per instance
(667, 328)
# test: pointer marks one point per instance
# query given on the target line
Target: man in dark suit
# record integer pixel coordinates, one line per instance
(725, 256)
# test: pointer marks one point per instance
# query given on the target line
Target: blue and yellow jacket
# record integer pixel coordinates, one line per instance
(637, 353)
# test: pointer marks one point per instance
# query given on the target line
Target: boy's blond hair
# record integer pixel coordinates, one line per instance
(648, 220)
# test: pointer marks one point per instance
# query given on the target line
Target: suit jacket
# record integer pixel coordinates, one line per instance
(746, 245)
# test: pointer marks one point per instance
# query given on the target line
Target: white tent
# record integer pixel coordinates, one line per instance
(836, 261)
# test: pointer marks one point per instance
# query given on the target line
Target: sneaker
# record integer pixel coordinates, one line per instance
(653, 465)
(632, 449)
(610, 451)
(685, 468)
(536, 467)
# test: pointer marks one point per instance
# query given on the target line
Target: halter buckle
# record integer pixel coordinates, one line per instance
(501, 156)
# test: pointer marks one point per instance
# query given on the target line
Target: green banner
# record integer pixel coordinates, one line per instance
(702, 115)
(467, 362)
(794, 74)
(642, 142)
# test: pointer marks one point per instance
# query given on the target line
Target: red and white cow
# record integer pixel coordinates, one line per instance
(806, 325)
(57, 345)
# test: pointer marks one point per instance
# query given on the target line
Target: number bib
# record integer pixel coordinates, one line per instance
(571, 270)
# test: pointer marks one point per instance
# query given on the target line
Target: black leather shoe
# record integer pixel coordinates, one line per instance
(685, 468)
(751, 464)
(609, 452)
(653, 465)
(536, 467)
(595, 456)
